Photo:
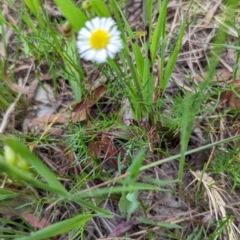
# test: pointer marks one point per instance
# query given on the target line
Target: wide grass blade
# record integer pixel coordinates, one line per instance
(70, 53)
(133, 186)
(34, 6)
(41, 169)
(27, 177)
(73, 14)
(100, 8)
(59, 228)
(136, 164)
(159, 33)
(173, 59)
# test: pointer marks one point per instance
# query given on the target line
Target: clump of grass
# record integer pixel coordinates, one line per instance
(155, 120)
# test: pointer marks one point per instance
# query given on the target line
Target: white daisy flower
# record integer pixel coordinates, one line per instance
(98, 40)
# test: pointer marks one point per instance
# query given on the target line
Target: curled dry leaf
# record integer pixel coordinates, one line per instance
(122, 228)
(12, 85)
(79, 112)
(94, 148)
(91, 99)
(103, 144)
(221, 76)
(60, 118)
(35, 222)
(231, 98)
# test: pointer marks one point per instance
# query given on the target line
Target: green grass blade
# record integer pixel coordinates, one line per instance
(163, 225)
(74, 78)
(27, 177)
(115, 8)
(187, 125)
(73, 14)
(5, 194)
(100, 8)
(139, 58)
(137, 163)
(59, 228)
(159, 33)
(133, 186)
(173, 59)
(41, 168)
(34, 6)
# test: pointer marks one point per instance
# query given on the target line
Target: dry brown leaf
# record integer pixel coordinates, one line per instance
(91, 99)
(14, 86)
(94, 148)
(32, 89)
(67, 153)
(122, 228)
(221, 75)
(60, 118)
(229, 98)
(110, 151)
(79, 113)
(35, 222)
(104, 144)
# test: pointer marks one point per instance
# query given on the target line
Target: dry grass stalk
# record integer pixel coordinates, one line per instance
(217, 204)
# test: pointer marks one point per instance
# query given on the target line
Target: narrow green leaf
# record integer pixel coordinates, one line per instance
(137, 163)
(147, 84)
(100, 8)
(26, 18)
(139, 59)
(173, 59)
(4, 195)
(59, 228)
(41, 168)
(132, 186)
(133, 203)
(74, 78)
(164, 225)
(73, 14)
(128, 204)
(27, 177)
(34, 6)
(159, 33)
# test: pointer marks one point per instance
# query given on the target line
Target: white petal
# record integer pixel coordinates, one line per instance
(83, 48)
(114, 31)
(117, 44)
(89, 55)
(115, 39)
(84, 33)
(89, 25)
(85, 55)
(111, 55)
(101, 56)
(108, 24)
(92, 55)
(113, 48)
(96, 23)
(103, 22)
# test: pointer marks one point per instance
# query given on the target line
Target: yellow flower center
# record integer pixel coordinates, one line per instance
(99, 39)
